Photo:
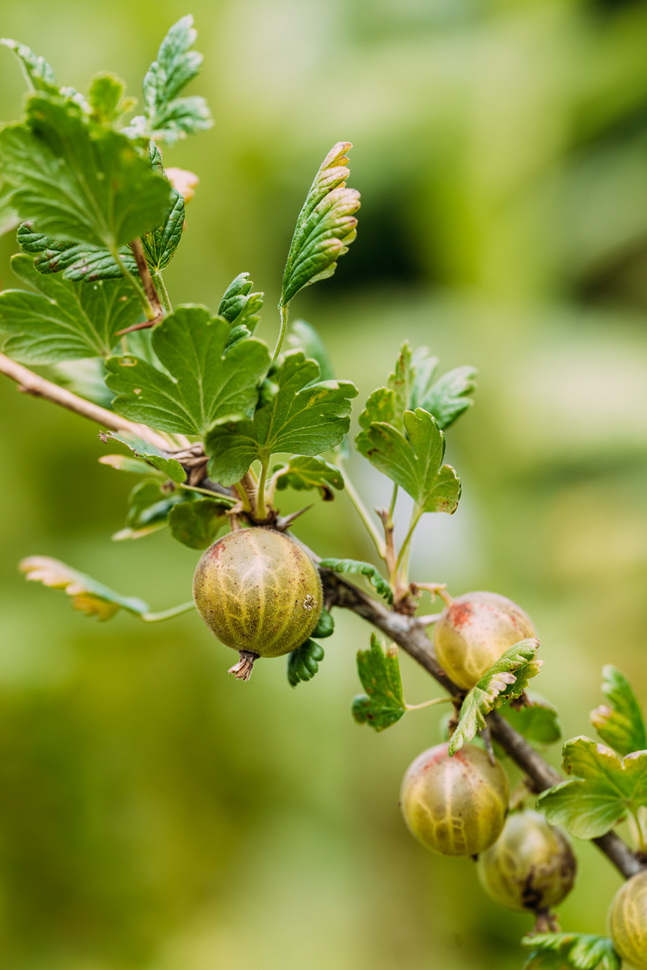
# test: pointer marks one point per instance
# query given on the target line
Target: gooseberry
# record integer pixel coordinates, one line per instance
(457, 805)
(259, 593)
(628, 921)
(474, 630)
(531, 866)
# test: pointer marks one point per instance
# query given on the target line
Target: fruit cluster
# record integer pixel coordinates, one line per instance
(260, 593)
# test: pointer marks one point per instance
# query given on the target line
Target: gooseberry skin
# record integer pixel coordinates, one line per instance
(628, 921)
(473, 632)
(457, 805)
(258, 591)
(530, 867)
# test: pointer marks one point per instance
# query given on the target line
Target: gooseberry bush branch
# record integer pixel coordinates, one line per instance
(216, 427)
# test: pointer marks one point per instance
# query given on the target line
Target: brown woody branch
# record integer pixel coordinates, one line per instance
(408, 632)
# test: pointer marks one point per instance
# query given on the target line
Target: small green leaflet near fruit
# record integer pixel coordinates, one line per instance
(377, 581)
(605, 787)
(325, 228)
(303, 663)
(205, 384)
(383, 703)
(505, 680)
(168, 466)
(197, 523)
(299, 415)
(581, 951)
(303, 473)
(538, 720)
(88, 596)
(620, 724)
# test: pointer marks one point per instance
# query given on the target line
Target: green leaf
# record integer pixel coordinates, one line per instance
(88, 596)
(80, 262)
(505, 680)
(325, 228)
(303, 663)
(620, 724)
(203, 386)
(77, 262)
(105, 97)
(40, 75)
(551, 951)
(400, 383)
(373, 575)
(304, 337)
(413, 462)
(325, 625)
(299, 415)
(159, 244)
(239, 306)
(149, 506)
(538, 721)
(305, 473)
(379, 408)
(606, 786)
(63, 320)
(122, 463)
(168, 117)
(383, 703)
(78, 181)
(196, 524)
(8, 217)
(446, 398)
(158, 459)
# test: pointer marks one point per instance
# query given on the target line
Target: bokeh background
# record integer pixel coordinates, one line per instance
(156, 815)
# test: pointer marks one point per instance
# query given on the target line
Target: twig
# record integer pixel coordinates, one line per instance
(37, 386)
(408, 632)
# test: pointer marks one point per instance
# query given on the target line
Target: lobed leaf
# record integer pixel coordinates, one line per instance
(446, 397)
(40, 75)
(88, 596)
(538, 720)
(373, 575)
(169, 117)
(203, 386)
(76, 262)
(303, 663)
(325, 228)
(106, 98)
(578, 950)
(620, 724)
(383, 703)
(606, 786)
(196, 524)
(239, 305)
(152, 455)
(414, 462)
(306, 473)
(298, 414)
(78, 181)
(325, 625)
(63, 320)
(149, 507)
(505, 680)
(303, 336)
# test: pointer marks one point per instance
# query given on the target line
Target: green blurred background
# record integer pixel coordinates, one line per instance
(157, 815)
